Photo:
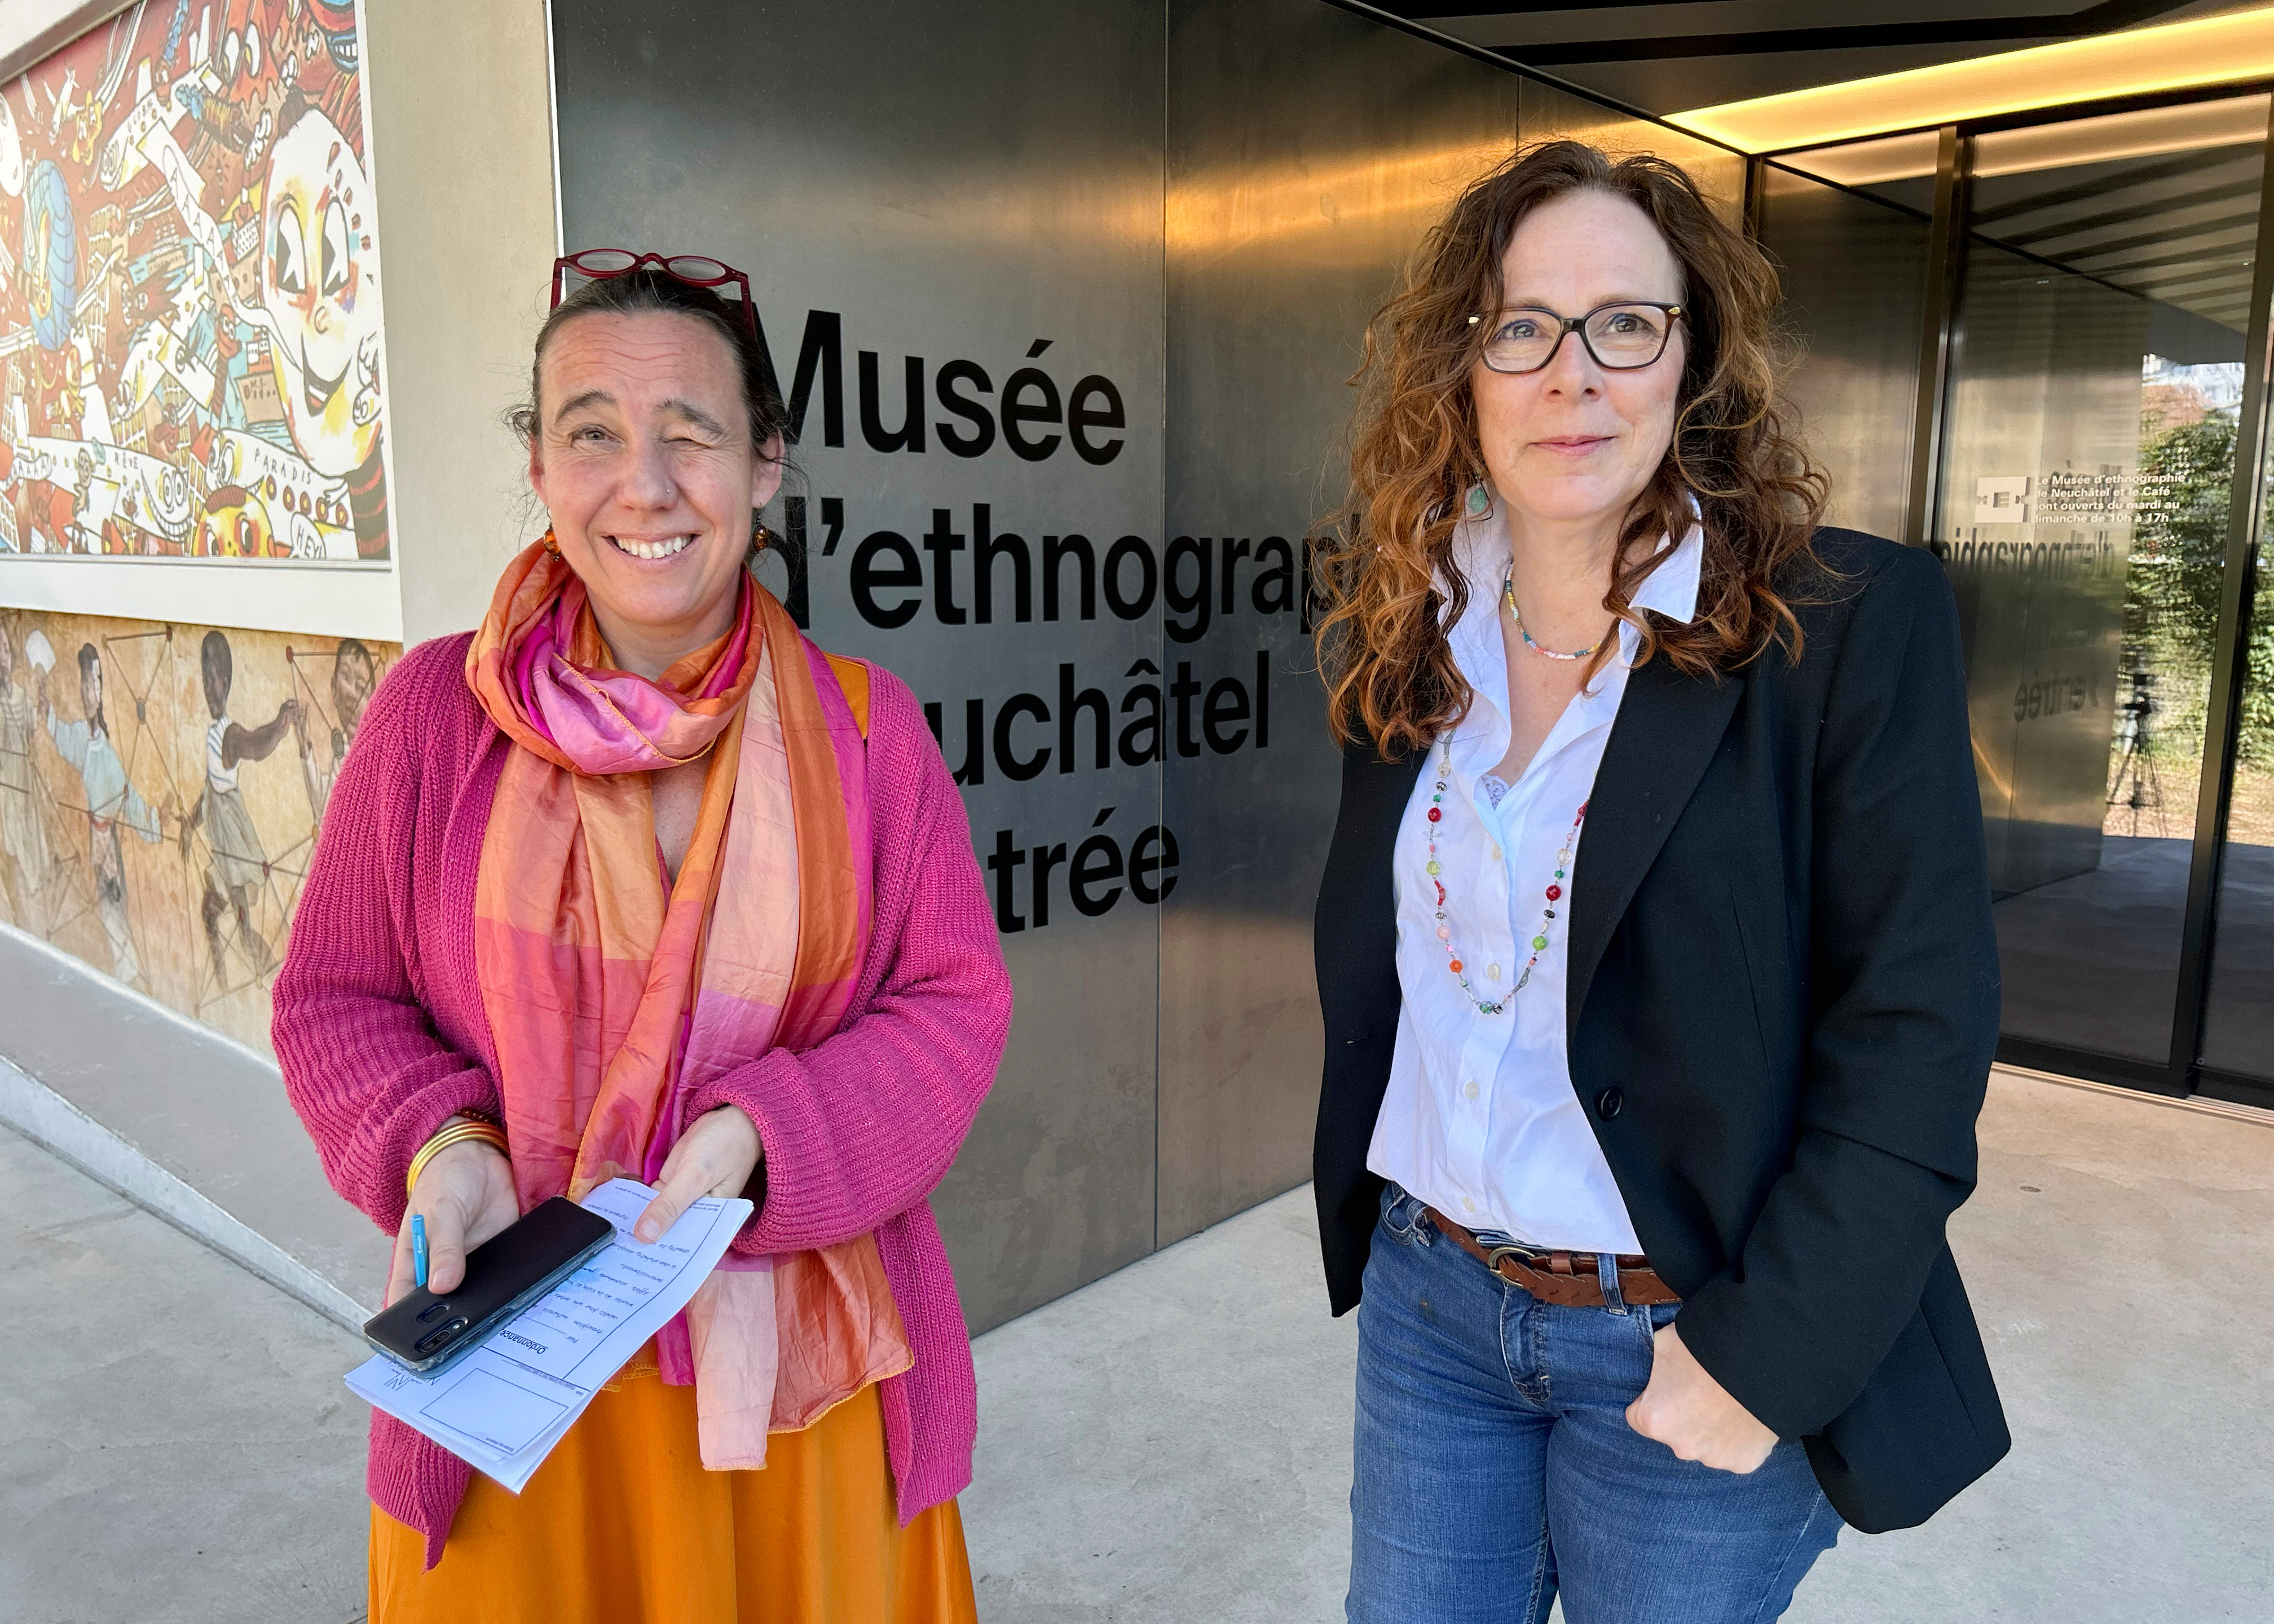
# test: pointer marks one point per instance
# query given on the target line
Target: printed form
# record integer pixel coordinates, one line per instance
(503, 1407)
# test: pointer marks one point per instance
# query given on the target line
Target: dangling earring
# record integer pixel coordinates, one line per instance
(552, 544)
(759, 534)
(1479, 504)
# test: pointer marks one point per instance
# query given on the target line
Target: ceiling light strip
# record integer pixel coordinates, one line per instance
(2237, 48)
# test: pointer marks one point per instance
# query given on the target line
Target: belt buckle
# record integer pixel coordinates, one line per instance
(1529, 1257)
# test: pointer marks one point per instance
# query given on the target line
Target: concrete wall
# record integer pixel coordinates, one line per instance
(461, 117)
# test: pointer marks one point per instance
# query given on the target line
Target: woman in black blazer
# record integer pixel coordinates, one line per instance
(1654, 943)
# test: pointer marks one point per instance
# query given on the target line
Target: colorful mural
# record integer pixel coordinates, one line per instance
(189, 291)
(161, 786)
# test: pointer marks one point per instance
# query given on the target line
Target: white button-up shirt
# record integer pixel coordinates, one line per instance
(1479, 1119)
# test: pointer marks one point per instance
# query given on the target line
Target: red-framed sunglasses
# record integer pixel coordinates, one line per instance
(695, 270)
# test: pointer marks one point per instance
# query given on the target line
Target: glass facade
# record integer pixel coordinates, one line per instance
(2086, 482)
(2074, 389)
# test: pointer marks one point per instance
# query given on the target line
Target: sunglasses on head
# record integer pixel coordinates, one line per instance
(695, 270)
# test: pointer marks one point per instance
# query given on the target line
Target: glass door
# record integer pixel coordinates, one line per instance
(2095, 384)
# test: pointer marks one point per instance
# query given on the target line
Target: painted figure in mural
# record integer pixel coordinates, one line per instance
(23, 837)
(239, 862)
(236, 524)
(50, 257)
(112, 803)
(354, 674)
(319, 282)
(337, 20)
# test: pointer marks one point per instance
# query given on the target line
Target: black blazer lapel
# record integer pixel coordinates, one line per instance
(1669, 727)
(1385, 790)
(1355, 940)
(1355, 932)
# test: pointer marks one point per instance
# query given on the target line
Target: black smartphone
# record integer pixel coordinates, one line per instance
(504, 1275)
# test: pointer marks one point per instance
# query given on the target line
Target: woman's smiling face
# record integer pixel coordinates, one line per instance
(1576, 442)
(642, 458)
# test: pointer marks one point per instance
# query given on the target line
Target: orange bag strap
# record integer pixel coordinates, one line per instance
(852, 677)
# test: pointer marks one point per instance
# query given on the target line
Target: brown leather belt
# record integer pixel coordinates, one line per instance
(1567, 1279)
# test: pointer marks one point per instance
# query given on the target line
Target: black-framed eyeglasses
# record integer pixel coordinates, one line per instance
(1622, 337)
(695, 270)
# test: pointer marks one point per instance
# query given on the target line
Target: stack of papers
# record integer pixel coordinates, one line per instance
(503, 1407)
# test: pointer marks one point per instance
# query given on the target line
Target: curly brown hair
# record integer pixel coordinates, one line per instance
(1389, 580)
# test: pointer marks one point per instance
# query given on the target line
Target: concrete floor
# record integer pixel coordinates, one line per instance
(175, 1447)
(1173, 1444)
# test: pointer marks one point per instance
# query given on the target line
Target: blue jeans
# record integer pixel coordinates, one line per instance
(1495, 1466)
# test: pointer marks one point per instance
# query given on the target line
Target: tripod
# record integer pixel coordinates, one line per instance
(2138, 787)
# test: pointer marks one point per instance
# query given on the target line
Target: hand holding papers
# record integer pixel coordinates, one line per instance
(503, 1407)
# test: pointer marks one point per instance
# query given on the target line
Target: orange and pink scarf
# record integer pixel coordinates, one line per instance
(613, 992)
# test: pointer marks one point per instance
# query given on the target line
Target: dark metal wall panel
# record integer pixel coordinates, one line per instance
(1549, 114)
(1308, 151)
(1854, 274)
(983, 185)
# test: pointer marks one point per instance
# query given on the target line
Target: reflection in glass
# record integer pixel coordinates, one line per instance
(2188, 422)
(2087, 471)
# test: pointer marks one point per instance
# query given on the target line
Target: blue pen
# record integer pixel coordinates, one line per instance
(418, 1247)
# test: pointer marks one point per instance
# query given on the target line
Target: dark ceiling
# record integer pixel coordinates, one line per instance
(1668, 56)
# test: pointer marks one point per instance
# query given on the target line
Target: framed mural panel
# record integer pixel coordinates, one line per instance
(192, 423)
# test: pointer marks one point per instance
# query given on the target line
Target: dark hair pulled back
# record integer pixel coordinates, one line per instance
(651, 291)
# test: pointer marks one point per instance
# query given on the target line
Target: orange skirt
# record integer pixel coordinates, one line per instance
(621, 1523)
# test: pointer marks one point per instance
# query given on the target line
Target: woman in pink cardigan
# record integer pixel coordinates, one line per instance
(636, 881)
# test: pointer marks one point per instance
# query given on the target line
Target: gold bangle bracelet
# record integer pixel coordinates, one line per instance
(452, 1133)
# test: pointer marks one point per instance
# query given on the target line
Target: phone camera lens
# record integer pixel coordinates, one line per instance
(440, 1336)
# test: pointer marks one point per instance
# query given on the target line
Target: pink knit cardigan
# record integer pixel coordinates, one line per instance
(379, 1029)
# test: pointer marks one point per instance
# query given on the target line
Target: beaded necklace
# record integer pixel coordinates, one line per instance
(1508, 597)
(1555, 892)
